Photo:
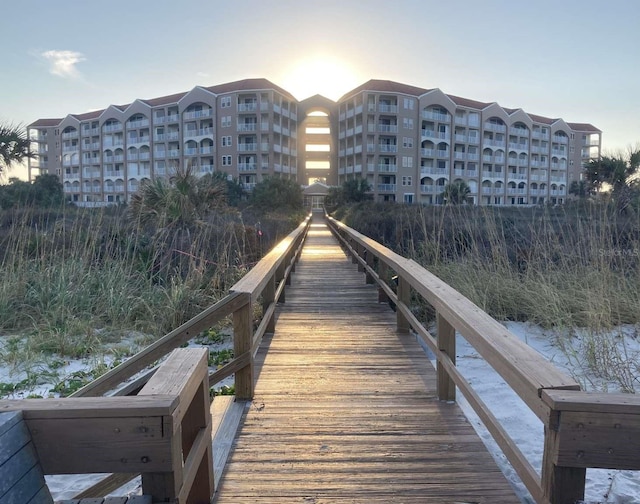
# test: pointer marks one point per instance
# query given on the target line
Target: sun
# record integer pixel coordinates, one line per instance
(323, 75)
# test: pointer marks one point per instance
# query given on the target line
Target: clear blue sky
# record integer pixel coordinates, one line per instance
(575, 59)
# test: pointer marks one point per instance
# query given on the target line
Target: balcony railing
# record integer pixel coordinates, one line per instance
(388, 168)
(386, 187)
(436, 116)
(195, 114)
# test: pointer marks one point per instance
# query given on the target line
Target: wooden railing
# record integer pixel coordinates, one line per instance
(264, 284)
(581, 430)
(164, 433)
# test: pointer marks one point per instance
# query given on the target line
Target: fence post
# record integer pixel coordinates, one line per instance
(242, 342)
(404, 297)
(560, 485)
(446, 343)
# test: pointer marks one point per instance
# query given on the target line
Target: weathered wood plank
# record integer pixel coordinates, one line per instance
(345, 407)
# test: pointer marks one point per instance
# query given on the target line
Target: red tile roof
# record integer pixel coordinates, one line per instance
(466, 102)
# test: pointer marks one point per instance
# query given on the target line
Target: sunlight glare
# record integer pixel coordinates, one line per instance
(329, 77)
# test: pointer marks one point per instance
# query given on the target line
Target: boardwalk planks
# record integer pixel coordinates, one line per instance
(345, 407)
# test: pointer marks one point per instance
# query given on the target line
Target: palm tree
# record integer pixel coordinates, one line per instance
(180, 202)
(618, 172)
(456, 193)
(14, 146)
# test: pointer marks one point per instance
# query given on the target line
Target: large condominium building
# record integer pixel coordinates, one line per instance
(408, 142)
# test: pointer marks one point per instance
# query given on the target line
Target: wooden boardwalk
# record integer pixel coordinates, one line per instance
(345, 408)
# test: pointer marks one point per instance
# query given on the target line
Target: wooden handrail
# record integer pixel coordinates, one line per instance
(267, 280)
(608, 425)
(162, 347)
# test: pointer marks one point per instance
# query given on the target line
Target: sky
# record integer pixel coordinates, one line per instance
(574, 59)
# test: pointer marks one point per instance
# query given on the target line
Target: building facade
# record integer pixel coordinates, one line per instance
(247, 129)
(407, 142)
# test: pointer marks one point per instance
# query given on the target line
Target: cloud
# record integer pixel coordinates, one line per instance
(63, 63)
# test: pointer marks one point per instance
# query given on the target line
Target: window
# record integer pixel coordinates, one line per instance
(407, 162)
(225, 121)
(408, 198)
(407, 123)
(408, 103)
(225, 102)
(226, 160)
(406, 180)
(407, 142)
(226, 141)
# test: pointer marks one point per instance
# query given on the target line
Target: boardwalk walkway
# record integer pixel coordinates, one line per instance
(345, 407)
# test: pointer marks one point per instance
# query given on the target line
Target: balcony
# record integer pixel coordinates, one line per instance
(518, 146)
(387, 168)
(70, 134)
(540, 135)
(190, 151)
(387, 148)
(493, 175)
(388, 108)
(431, 170)
(137, 124)
(499, 128)
(110, 128)
(247, 167)
(562, 139)
(436, 116)
(517, 176)
(249, 127)
(487, 142)
(430, 189)
(384, 128)
(174, 153)
(196, 114)
(248, 107)
(247, 147)
(198, 132)
(386, 187)
(206, 149)
(437, 135)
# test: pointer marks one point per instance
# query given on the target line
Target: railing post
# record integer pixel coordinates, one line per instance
(280, 271)
(286, 260)
(370, 258)
(268, 297)
(354, 246)
(447, 344)
(360, 252)
(383, 273)
(560, 485)
(243, 342)
(404, 297)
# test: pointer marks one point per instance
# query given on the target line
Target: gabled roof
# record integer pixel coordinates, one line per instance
(584, 127)
(94, 114)
(43, 123)
(386, 86)
(466, 102)
(248, 85)
(164, 100)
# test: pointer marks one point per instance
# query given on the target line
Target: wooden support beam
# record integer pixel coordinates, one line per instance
(447, 344)
(243, 342)
(404, 297)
